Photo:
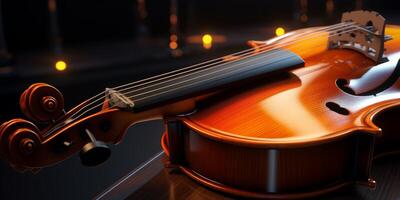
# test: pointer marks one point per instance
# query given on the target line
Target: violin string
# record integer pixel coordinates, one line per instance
(140, 94)
(233, 69)
(69, 119)
(260, 52)
(249, 55)
(173, 87)
(133, 96)
(210, 61)
(60, 125)
(329, 36)
(221, 59)
(89, 109)
(190, 67)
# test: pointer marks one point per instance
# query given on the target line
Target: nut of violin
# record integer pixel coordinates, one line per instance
(42, 103)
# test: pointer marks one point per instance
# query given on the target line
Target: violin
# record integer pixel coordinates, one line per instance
(296, 116)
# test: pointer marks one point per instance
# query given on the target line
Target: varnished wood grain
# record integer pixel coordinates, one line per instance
(279, 139)
(271, 140)
(272, 113)
(274, 173)
(276, 140)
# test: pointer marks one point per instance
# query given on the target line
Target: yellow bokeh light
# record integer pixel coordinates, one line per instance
(61, 65)
(279, 31)
(207, 39)
(173, 45)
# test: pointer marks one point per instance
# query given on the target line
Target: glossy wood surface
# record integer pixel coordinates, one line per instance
(282, 139)
(274, 138)
(295, 111)
(273, 173)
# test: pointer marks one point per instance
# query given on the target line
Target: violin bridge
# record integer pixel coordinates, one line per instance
(366, 36)
(117, 99)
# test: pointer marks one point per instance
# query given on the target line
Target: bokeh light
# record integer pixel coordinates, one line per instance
(61, 65)
(173, 45)
(207, 41)
(279, 31)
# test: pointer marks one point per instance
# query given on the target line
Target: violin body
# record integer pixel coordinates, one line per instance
(313, 127)
(280, 140)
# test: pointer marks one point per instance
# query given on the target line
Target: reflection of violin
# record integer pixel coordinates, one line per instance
(295, 116)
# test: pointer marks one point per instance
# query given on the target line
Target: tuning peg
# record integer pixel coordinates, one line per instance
(94, 152)
(19, 142)
(42, 103)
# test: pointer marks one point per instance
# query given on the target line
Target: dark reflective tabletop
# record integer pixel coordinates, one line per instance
(153, 181)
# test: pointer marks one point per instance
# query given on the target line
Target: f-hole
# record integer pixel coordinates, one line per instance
(343, 84)
(337, 108)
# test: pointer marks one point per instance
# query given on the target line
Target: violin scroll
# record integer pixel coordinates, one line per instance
(52, 135)
(19, 140)
(42, 103)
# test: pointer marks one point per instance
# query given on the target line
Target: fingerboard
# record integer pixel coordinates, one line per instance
(220, 76)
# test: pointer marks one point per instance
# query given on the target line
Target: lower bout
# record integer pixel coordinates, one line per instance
(270, 172)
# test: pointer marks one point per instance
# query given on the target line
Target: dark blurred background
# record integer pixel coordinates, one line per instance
(83, 46)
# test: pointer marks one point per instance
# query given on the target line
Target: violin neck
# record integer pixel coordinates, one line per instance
(204, 80)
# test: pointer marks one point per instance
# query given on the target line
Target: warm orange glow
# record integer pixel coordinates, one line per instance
(230, 58)
(196, 39)
(52, 6)
(207, 46)
(141, 5)
(303, 18)
(173, 45)
(308, 126)
(311, 47)
(330, 6)
(173, 19)
(173, 38)
(279, 31)
(304, 46)
(207, 41)
(61, 65)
